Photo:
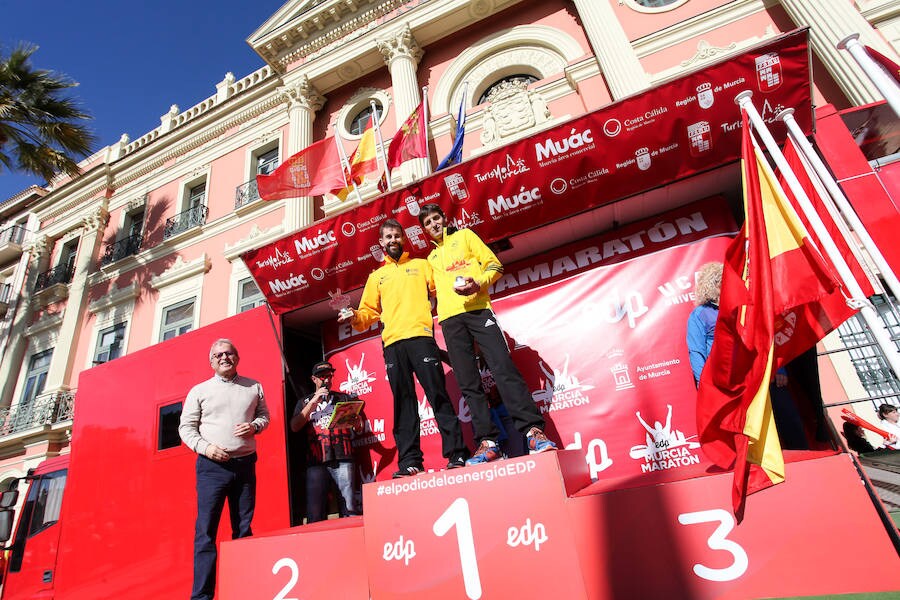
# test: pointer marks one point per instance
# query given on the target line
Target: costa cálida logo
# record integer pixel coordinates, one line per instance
(700, 138)
(768, 72)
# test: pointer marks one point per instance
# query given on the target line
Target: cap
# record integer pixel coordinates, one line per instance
(321, 367)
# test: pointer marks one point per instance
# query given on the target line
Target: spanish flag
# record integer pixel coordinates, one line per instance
(770, 269)
(364, 159)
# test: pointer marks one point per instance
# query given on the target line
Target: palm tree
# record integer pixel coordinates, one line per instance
(40, 129)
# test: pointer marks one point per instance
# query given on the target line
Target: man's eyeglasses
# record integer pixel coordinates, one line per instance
(223, 354)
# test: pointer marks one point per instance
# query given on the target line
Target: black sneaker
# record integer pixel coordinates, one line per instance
(456, 462)
(407, 472)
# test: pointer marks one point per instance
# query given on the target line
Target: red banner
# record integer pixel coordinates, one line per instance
(675, 130)
(597, 328)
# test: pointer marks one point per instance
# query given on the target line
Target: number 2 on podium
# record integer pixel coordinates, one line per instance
(457, 514)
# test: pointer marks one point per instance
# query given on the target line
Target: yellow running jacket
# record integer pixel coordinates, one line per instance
(462, 253)
(398, 293)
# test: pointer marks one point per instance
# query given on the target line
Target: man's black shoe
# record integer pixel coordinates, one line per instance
(407, 472)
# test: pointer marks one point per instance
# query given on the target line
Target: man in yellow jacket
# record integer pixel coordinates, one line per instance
(464, 267)
(397, 294)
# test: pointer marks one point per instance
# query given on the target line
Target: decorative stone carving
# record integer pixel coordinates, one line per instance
(511, 109)
(38, 247)
(705, 51)
(403, 45)
(95, 220)
(302, 94)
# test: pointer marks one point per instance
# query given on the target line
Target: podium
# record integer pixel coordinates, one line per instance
(536, 526)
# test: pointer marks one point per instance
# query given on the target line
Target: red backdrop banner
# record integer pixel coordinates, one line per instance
(680, 128)
(600, 338)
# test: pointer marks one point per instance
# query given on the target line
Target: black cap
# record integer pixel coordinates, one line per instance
(321, 367)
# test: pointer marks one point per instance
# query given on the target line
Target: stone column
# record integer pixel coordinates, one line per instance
(303, 102)
(402, 54)
(831, 21)
(61, 364)
(620, 65)
(11, 363)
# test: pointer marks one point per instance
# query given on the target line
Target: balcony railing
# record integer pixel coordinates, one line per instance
(125, 247)
(12, 235)
(245, 193)
(5, 293)
(58, 274)
(193, 217)
(48, 409)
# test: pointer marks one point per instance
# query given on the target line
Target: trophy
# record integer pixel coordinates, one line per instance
(341, 303)
(459, 282)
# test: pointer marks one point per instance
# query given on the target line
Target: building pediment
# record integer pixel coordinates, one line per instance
(302, 27)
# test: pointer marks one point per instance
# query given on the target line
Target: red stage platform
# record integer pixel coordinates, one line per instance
(516, 528)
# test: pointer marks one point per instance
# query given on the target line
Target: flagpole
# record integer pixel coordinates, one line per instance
(886, 85)
(843, 205)
(345, 163)
(876, 326)
(427, 127)
(380, 144)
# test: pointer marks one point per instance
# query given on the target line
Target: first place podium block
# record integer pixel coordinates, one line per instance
(498, 530)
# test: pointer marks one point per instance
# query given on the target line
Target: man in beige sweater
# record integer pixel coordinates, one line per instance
(220, 420)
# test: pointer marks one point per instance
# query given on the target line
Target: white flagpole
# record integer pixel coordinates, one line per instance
(881, 80)
(837, 195)
(387, 175)
(345, 163)
(427, 127)
(876, 326)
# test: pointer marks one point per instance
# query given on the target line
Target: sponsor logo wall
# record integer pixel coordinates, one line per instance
(597, 328)
(678, 129)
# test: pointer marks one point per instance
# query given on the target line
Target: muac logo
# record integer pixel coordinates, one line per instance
(666, 448)
(359, 381)
(561, 390)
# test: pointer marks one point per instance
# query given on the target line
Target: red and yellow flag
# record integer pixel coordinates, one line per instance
(772, 276)
(364, 159)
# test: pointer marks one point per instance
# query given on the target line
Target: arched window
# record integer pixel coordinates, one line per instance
(519, 80)
(359, 122)
(653, 5)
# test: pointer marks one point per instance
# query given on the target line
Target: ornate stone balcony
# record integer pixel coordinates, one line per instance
(184, 221)
(45, 411)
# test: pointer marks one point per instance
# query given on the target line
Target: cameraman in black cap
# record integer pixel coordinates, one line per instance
(330, 450)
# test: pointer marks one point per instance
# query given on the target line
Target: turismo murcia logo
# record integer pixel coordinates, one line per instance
(503, 172)
(277, 260)
(665, 447)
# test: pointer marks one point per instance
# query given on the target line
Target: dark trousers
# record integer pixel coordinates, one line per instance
(460, 333)
(420, 355)
(234, 480)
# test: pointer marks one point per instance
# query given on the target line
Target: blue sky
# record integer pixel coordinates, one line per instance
(134, 59)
